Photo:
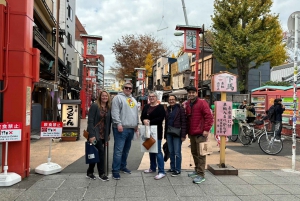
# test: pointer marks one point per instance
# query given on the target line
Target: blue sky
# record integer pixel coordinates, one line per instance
(112, 19)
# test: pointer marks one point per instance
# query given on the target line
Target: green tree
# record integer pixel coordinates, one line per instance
(148, 64)
(246, 34)
(132, 50)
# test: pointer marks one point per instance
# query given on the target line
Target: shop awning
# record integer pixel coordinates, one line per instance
(179, 92)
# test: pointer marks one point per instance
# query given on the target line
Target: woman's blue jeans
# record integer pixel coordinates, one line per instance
(157, 159)
(174, 145)
(122, 144)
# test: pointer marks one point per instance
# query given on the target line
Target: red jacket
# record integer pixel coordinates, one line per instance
(199, 117)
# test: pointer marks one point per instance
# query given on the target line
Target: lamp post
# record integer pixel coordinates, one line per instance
(141, 77)
(191, 44)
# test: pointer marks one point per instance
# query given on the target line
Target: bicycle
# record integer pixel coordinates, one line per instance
(266, 140)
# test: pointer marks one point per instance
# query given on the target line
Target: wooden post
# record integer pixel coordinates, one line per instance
(223, 139)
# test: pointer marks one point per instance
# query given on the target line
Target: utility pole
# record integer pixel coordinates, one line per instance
(184, 12)
(202, 66)
(54, 105)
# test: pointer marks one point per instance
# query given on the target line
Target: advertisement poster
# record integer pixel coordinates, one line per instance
(223, 118)
(10, 131)
(91, 46)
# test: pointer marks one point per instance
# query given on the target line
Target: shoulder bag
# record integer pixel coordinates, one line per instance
(149, 142)
(86, 134)
(175, 132)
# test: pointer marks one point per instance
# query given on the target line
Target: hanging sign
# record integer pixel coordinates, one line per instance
(51, 129)
(224, 82)
(91, 46)
(223, 118)
(10, 131)
(140, 75)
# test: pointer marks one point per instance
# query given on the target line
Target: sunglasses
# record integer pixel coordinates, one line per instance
(129, 88)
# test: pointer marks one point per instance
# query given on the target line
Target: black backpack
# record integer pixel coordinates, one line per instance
(271, 113)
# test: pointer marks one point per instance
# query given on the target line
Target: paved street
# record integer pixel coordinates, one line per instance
(261, 177)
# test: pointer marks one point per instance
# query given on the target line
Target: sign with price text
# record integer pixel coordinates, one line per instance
(51, 129)
(10, 131)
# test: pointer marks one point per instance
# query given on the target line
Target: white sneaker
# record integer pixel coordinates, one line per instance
(159, 176)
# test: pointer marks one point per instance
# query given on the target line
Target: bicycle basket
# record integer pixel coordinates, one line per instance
(259, 122)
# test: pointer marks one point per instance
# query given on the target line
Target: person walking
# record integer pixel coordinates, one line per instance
(279, 109)
(200, 120)
(154, 114)
(243, 105)
(124, 114)
(175, 117)
(99, 127)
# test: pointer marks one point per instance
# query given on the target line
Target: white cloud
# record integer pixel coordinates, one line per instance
(112, 19)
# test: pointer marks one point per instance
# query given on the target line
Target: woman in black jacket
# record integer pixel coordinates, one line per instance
(175, 117)
(154, 114)
(99, 126)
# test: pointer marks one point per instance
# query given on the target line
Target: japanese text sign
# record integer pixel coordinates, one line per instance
(70, 115)
(10, 131)
(223, 118)
(91, 46)
(191, 37)
(140, 75)
(224, 82)
(51, 129)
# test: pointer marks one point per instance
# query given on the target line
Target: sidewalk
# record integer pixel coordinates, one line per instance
(261, 177)
(248, 185)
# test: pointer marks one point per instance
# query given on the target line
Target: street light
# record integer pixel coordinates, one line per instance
(191, 44)
(141, 77)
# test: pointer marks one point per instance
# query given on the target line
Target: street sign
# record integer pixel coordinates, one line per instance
(10, 131)
(51, 129)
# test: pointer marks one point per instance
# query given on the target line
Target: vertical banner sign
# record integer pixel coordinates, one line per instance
(140, 75)
(223, 118)
(91, 46)
(190, 39)
(10, 131)
(51, 129)
(224, 82)
(69, 115)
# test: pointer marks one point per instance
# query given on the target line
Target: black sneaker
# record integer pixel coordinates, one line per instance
(175, 174)
(103, 177)
(91, 176)
(171, 171)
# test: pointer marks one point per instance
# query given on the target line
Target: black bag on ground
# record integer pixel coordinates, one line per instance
(166, 152)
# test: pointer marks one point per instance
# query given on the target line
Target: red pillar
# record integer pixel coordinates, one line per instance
(22, 70)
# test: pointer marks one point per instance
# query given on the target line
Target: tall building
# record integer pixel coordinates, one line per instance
(110, 81)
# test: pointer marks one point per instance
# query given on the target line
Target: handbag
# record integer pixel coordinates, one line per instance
(86, 134)
(91, 153)
(166, 151)
(174, 131)
(149, 142)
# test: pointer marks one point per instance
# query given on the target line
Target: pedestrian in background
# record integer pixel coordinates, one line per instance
(99, 127)
(200, 121)
(154, 114)
(175, 117)
(243, 105)
(279, 109)
(124, 113)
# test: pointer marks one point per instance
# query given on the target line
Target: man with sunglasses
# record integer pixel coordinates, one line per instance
(124, 112)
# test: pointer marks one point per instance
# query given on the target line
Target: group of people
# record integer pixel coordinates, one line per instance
(194, 121)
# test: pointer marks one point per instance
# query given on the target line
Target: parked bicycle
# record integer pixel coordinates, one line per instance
(266, 140)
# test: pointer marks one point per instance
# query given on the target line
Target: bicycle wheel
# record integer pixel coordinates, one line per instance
(233, 138)
(268, 145)
(244, 135)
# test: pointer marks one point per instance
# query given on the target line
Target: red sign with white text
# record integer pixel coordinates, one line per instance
(51, 129)
(10, 131)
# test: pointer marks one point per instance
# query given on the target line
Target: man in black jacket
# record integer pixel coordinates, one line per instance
(279, 108)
